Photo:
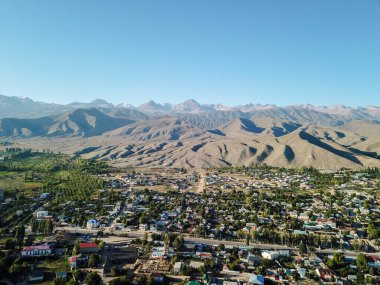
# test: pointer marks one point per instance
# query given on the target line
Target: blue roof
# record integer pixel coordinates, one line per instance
(256, 279)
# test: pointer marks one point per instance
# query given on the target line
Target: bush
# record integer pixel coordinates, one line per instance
(93, 278)
(115, 271)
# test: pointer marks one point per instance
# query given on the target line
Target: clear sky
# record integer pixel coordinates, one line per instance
(233, 52)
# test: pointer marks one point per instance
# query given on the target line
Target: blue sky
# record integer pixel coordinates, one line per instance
(232, 52)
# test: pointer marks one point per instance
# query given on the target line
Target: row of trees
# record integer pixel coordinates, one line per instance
(45, 226)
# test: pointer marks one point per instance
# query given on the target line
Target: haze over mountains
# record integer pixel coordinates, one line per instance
(194, 135)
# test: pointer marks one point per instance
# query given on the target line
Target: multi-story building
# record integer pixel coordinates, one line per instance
(37, 250)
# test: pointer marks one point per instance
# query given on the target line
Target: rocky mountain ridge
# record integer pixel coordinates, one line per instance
(195, 135)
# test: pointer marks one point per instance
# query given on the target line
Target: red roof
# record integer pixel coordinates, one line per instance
(325, 272)
(73, 259)
(88, 245)
(373, 258)
(37, 247)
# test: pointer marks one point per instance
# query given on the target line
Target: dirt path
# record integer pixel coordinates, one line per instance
(202, 183)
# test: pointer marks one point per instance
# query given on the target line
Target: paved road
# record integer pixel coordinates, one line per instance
(140, 234)
(123, 234)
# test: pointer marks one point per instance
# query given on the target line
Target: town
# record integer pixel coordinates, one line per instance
(73, 221)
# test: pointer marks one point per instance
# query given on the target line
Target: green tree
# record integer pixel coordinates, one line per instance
(94, 260)
(296, 276)
(93, 278)
(49, 227)
(101, 245)
(124, 280)
(361, 261)
(77, 274)
(302, 247)
(114, 271)
(10, 243)
(373, 233)
(19, 234)
(34, 225)
(76, 248)
(221, 247)
(177, 243)
(142, 279)
(15, 270)
(336, 261)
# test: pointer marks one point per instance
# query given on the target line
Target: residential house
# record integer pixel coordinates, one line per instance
(61, 275)
(158, 252)
(196, 264)
(252, 259)
(73, 261)
(40, 215)
(325, 273)
(177, 269)
(36, 276)
(157, 278)
(44, 196)
(302, 272)
(373, 262)
(271, 255)
(256, 279)
(93, 224)
(143, 227)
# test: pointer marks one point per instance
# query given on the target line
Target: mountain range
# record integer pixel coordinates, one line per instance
(194, 135)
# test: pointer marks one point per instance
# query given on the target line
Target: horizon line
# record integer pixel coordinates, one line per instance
(201, 104)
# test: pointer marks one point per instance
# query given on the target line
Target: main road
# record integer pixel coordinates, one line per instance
(122, 235)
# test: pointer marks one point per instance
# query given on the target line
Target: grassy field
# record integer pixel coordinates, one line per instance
(11, 180)
(50, 266)
(16, 182)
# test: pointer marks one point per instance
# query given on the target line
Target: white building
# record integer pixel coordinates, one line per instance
(40, 215)
(44, 195)
(302, 272)
(37, 250)
(196, 264)
(92, 224)
(271, 255)
(143, 227)
(178, 267)
(158, 252)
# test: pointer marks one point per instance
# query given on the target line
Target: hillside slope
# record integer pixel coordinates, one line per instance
(169, 141)
(81, 122)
